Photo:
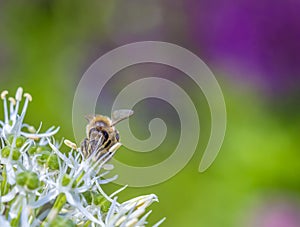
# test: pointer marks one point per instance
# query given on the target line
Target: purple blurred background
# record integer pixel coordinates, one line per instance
(253, 41)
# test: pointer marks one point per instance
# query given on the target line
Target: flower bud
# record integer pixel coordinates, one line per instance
(20, 141)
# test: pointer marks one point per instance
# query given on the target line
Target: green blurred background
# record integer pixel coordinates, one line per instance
(252, 48)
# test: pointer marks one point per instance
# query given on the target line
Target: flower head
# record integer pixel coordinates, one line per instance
(43, 186)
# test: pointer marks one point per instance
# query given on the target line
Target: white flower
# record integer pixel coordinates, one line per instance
(41, 185)
(129, 212)
(13, 120)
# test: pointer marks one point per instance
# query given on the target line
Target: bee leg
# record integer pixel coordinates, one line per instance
(84, 147)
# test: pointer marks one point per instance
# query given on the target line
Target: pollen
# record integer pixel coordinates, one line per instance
(70, 144)
(3, 94)
(28, 96)
(19, 94)
(12, 100)
(33, 137)
(31, 129)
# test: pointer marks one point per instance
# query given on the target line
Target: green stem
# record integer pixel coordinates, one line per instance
(58, 205)
(78, 180)
(4, 190)
(87, 224)
(15, 221)
(4, 185)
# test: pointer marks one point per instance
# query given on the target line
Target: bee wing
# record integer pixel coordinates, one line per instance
(119, 115)
(89, 117)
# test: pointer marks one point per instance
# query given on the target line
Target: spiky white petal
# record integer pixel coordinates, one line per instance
(32, 203)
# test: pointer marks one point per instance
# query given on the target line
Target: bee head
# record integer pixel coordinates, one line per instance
(98, 120)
